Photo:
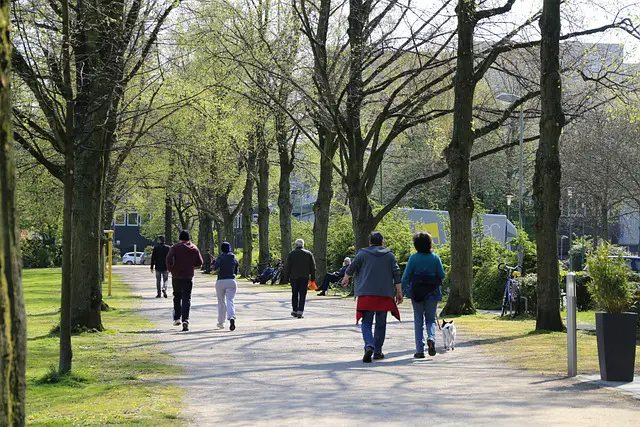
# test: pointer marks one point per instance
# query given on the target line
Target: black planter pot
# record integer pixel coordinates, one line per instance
(616, 334)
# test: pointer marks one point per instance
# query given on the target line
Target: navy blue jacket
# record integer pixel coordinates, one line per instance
(226, 265)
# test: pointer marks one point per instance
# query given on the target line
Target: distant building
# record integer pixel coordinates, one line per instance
(433, 222)
(126, 232)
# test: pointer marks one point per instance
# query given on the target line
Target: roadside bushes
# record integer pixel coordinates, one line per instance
(41, 252)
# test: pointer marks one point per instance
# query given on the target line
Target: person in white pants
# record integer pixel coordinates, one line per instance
(226, 267)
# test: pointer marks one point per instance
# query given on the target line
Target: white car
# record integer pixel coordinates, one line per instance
(131, 258)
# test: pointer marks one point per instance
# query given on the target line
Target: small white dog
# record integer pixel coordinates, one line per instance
(449, 334)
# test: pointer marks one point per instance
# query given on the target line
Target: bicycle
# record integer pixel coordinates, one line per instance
(511, 296)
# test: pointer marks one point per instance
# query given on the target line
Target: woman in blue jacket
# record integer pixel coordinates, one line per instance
(226, 266)
(423, 275)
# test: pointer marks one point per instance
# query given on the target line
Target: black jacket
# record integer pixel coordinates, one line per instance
(300, 265)
(159, 257)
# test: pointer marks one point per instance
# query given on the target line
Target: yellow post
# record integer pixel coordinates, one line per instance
(109, 256)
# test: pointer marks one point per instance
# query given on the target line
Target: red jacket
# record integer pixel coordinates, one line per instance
(181, 260)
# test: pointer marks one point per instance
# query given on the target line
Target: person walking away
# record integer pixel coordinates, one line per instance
(206, 265)
(424, 274)
(159, 261)
(377, 281)
(182, 259)
(226, 266)
(336, 276)
(299, 267)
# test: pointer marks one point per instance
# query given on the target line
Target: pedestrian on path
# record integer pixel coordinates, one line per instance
(377, 281)
(423, 275)
(207, 262)
(226, 266)
(159, 261)
(298, 269)
(336, 276)
(182, 259)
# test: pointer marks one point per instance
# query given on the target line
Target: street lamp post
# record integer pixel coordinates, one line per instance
(570, 194)
(511, 98)
(561, 241)
(509, 198)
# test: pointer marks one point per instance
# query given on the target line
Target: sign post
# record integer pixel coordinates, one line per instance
(109, 257)
(572, 343)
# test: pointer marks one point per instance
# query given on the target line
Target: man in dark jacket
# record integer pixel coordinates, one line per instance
(182, 259)
(298, 269)
(377, 281)
(159, 261)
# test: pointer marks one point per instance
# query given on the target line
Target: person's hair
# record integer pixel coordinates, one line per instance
(376, 238)
(184, 236)
(225, 247)
(299, 243)
(161, 239)
(422, 242)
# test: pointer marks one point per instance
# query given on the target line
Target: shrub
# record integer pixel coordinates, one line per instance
(488, 287)
(529, 289)
(609, 284)
(340, 241)
(41, 252)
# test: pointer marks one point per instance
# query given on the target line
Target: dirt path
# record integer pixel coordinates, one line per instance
(277, 370)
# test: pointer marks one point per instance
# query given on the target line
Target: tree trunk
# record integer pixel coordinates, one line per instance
(458, 158)
(604, 218)
(168, 220)
(247, 215)
(322, 206)
(263, 204)
(361, 216)
(66, 353)
(205, 232)
(546, 180)
(13, 333)
(285, 207)
(86, 295)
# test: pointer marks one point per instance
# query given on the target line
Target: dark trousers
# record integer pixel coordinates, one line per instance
(329, 278)
(181, 298)
(298, 293)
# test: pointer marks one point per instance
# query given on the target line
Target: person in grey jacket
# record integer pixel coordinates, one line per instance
(298, 269)
(226, 266)
(377, 282)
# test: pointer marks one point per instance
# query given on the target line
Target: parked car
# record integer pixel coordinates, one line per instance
(133, 257)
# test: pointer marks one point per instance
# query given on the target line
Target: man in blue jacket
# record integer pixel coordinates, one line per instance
(377, 281)
(336, 276)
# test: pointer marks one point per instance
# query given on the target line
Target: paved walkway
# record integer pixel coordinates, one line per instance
(279, 371)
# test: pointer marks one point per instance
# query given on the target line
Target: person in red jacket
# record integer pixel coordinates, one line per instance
(182, 259)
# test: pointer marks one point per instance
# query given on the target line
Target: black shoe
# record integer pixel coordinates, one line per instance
(321, 294)
(232, 327)
(294, 314)
(378, 356)
(185, 326)
(419, 355)
(367, 355)
(164, 293)
(432, 347)
(299, 315)
(158, 296)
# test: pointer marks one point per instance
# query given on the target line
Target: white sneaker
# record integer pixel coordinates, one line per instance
(177, 322)
(220, 325)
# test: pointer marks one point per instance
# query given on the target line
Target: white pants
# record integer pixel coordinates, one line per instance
(226, 291)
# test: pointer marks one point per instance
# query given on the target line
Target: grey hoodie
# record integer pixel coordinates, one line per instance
(376, 272)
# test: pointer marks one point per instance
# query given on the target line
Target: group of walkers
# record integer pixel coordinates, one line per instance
(378, 285)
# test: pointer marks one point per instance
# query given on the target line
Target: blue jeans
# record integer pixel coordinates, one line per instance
(372, 340)
(424, 311)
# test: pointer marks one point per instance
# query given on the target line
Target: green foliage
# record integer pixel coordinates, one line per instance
(580, 251)
(530, 259)
(529, 290)
(299, 230)
(488, 287)
(340, 241)
(41, 252)
(609, 285)
(396, 229)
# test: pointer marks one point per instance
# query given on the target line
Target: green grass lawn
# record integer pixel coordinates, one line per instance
(118, 376)
(518, 344)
